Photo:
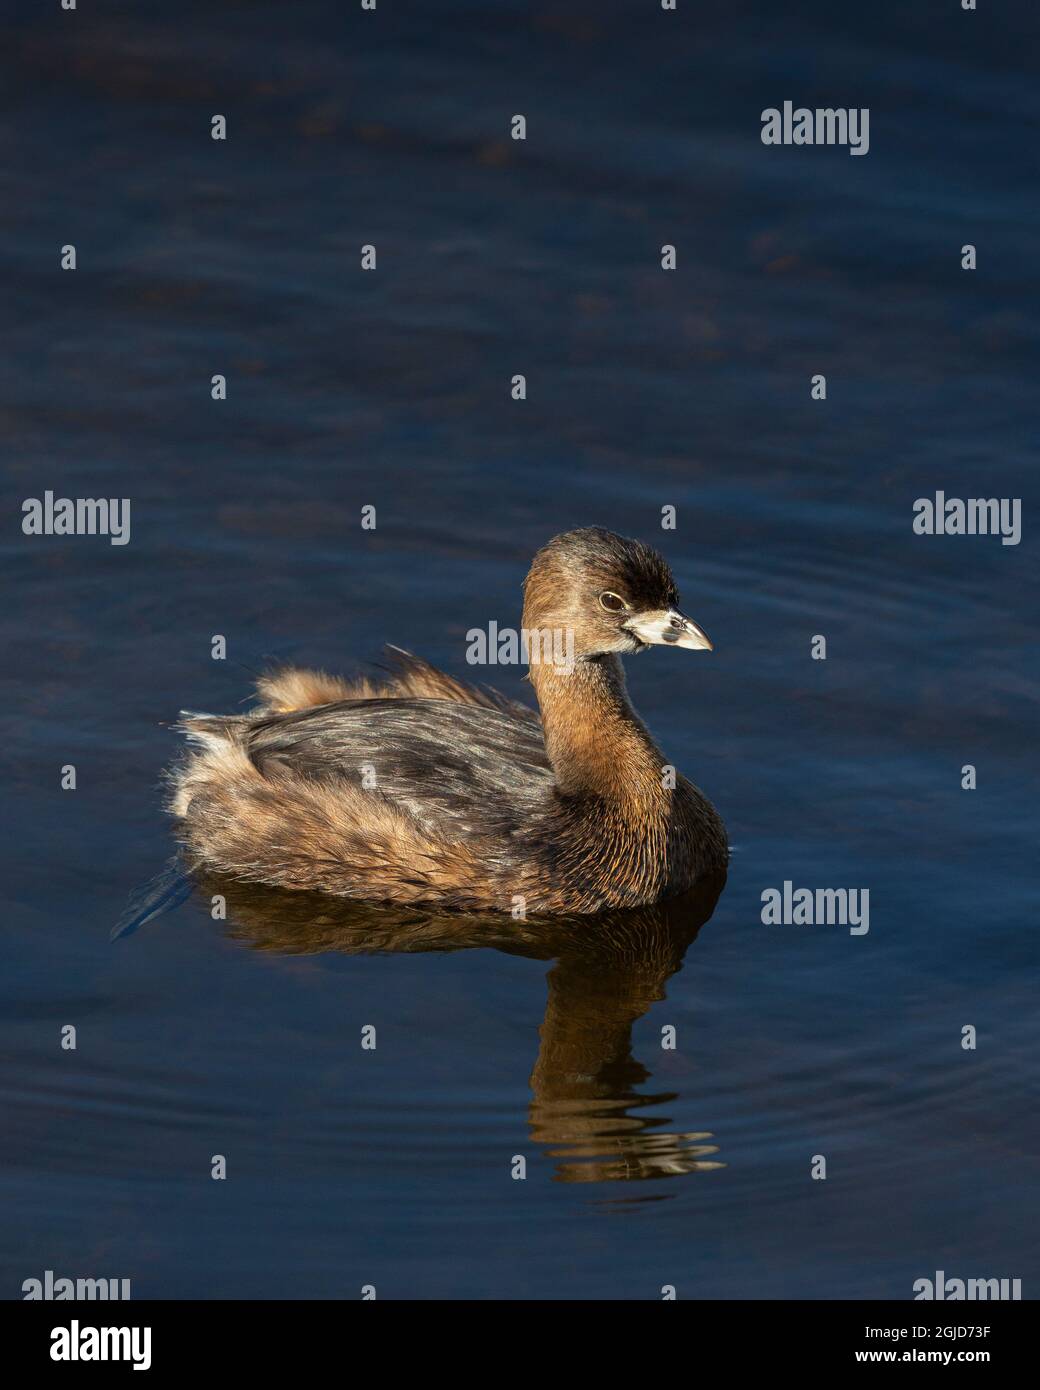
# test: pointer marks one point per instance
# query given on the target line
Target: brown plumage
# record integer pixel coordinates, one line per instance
(421, 789)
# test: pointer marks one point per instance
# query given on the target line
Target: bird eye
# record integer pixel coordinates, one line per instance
(612, 602)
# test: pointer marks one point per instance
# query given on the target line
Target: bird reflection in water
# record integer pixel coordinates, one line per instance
(607, 971)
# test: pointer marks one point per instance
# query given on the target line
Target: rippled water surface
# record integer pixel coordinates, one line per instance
(645, 1165)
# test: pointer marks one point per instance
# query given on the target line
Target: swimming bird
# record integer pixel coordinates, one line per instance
(423, 790)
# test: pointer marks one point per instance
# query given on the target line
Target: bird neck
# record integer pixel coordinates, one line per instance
(594, 739)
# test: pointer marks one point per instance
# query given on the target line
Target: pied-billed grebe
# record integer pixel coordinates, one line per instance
(424, 790)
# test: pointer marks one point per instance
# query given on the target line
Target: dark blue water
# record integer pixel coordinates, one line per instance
(645, 1166)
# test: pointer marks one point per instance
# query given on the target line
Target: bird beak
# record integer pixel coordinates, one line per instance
(670, 628)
